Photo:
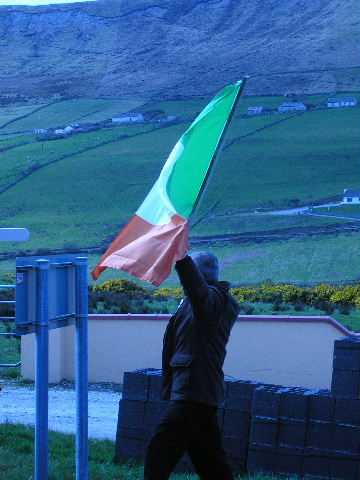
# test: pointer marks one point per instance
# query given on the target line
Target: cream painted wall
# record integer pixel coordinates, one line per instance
(282, 352)
(290, 351)
(117, 346)
(57, 356)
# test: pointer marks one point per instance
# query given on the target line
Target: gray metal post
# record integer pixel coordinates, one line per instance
(81, 368)
(42, 371)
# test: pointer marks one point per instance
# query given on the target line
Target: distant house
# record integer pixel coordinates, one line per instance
(167, 119)
(68, 130)
(342, 102)
(59, 131)
(255, 110)
(49, 135)
(131, 117)
(153, 115)
(351, 196)
(292, 107)
(53, 134)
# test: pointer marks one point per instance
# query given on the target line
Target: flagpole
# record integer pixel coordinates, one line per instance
(219, 145)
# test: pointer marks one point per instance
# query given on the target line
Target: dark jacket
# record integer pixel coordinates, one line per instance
(195, 339)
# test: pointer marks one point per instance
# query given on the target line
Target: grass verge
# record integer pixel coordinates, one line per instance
(16, 458)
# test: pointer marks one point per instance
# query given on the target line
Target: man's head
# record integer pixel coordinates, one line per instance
(208, 264)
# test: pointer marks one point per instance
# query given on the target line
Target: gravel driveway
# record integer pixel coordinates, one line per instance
(17, 405)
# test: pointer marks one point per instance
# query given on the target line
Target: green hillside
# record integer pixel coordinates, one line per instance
(77, 192)
(177, 48)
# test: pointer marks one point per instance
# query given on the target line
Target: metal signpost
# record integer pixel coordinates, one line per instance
(52, 292)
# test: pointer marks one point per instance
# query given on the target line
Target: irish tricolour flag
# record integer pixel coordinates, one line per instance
(157, 235)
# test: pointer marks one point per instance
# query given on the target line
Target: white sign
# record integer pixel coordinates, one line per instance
(14, 234)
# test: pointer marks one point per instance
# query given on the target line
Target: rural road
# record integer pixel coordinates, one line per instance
(17, 405)
(302, 210)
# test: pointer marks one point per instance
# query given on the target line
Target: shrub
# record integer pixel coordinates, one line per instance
(246, 309)
(121, 286)
(9, 278)
(299, 307)
(243, 294)
(290, 293)
(344, 309)
(167, 292)
(357, 301)
(346, 295)
(327, 307)
(279, 307)
(321, 292)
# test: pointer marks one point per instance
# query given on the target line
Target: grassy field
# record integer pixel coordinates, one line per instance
(79, 191)
(9, 352)
(230, 223)
(10, 347)
(58, 113)
(305, 260)
(308, 158)
(11, 112)
(16, 458)
(333, 258)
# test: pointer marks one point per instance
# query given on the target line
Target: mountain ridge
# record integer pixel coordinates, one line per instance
(179, 48)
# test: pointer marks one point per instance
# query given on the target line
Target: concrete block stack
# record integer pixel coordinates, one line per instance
(141, 408)
(131, 434)
(313, 434)
(307, 433)
(237, 420)
(346, 368)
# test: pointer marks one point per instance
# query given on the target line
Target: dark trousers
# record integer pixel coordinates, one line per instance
(187, 427)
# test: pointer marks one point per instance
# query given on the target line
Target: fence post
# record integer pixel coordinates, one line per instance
(42, 371)
(81, 325)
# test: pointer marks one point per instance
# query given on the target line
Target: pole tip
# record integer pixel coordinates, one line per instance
(81, 260)
(42, 263)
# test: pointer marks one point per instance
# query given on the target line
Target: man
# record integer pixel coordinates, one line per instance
(194, 350)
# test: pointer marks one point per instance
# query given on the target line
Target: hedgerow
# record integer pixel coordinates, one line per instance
(121, 286)
(120, 296)
(167, 292)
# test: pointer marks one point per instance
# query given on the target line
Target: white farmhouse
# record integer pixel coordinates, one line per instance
(68, 130)
(292, 107)
(167, 119)
(342, 102)
(257, 110)
(131, 117)
(351, 196)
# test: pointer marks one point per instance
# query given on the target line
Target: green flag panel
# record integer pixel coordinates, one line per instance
(197, 148)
